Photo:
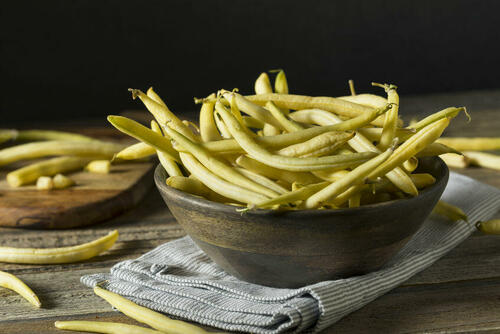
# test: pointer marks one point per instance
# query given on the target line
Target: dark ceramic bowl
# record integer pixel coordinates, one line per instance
(295, 248)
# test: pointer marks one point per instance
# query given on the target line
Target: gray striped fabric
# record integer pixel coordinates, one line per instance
(177, 278)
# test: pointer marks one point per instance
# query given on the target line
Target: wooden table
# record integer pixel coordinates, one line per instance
(460, 293)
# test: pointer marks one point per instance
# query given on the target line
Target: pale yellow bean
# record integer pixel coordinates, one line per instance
(455, 160)
(445, 113)
(291, 197)
(288, 124)
(482, 159)
(103, 327)
(136, 151)
(332, 140)
(162, 114)
(155, 97)
(449, 211)
(142, 133)
(354, 177)
(149, 317)
(99, 166)
(219, 185)
(208, 128)
(58, 255)
(275, 173)
(11, 282)
(97, 149)
(168, 164)
(44, 183)
(471, 144)
(62, 181)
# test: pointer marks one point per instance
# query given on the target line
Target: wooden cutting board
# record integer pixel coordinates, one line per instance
(96, 197)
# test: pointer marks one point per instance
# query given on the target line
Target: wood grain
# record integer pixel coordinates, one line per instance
(460, 293)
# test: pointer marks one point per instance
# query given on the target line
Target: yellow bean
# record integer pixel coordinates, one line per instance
(222, 127)
(410, 165)
(260, 179)
(219, 185)
(96, 149)
(168, 164)
(11, 282)
(269, 130)
(437, 149)
(412, 146)
(44, 183)
(294, 196)
(99, 166)
(6, 135)
(252, 122)
(351, 87)
(332, 140)
(136, 151)
(162, 114)
(274, 173)
(360, 144)
(489, 227)
(58, 255)
(471, 144)
(189, 185)
(61, 181)
(37, 135)
(391, 118)
(263, 84)
(445, 113)
(286, 163)
(455, 160)
(29, 174)
(330, 175)
(299, 102)
(103, 327)
(481, 159)
(369, 100)
(142, 133)
(155, 97)
(319, 116)
(449, 211)
(288, 124)
(252, 109)
(208, 128)
(354, 177)
(281, 83)
(217, 166)
(149, 317)
(374, 134)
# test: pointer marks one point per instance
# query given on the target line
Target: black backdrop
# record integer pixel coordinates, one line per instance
(76, 59)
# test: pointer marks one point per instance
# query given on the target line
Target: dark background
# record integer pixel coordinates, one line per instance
(76, 59)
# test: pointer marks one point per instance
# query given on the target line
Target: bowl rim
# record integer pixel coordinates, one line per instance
(160, 176)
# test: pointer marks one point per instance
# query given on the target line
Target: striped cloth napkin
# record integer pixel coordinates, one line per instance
(177, 278)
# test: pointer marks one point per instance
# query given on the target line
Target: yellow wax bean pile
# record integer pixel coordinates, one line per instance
(276, 149)
(62, 152)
